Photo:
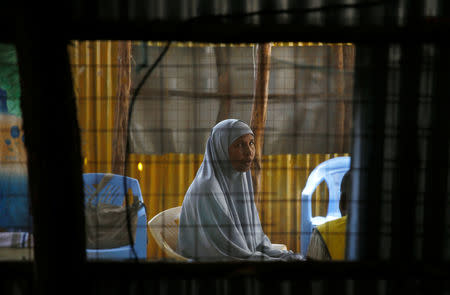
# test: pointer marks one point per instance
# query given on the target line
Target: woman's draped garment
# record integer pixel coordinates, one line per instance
(219, 220)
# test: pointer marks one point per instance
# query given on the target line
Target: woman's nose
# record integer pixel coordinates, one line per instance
(247, 150)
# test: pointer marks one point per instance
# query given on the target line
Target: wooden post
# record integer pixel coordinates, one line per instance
(224, 87)
(259, 111)
(349, 66)
(121, 111)
(338, 65)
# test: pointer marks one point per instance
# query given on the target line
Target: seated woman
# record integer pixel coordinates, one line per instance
(328, 240)
(219, 220)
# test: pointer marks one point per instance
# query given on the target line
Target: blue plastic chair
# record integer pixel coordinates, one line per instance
(332, 171)
(113, 193)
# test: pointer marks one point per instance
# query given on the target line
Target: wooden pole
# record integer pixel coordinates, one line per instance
(259, 111)
(121, 111)
(349, 66)
(224, 87)
(338, 64)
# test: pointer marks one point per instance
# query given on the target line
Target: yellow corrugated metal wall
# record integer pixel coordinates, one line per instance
(94, 70)
(164, 179)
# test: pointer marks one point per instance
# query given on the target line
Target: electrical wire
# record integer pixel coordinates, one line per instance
(127, 150)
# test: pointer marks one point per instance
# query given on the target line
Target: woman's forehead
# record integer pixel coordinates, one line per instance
(228, 131)
(245, 137)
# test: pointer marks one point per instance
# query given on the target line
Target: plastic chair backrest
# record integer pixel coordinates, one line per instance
(109, 188)
(164, 229)
(331, 171)
(112, 192)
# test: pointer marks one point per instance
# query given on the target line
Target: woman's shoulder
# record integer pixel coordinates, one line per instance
(203, 193)
(204, 186)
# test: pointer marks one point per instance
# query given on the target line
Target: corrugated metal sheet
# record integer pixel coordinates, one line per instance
(164, 180)
(94, 71)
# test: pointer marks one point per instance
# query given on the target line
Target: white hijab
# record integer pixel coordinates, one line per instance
(219, 219)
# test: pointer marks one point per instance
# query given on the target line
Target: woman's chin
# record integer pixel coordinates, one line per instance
(242, 166)
(245, 167)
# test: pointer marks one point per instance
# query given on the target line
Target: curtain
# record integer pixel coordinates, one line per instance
(400, 197)
(309, 107)
(401, 180)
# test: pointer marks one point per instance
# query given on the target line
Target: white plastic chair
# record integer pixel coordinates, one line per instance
(331, 171)
(164, 229)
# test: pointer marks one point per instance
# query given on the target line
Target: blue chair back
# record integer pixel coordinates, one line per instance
(331, 171)
(110, 190)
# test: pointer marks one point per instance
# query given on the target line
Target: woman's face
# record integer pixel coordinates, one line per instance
(242, 152)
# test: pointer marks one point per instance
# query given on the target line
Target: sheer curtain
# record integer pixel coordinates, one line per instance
(310, 96)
